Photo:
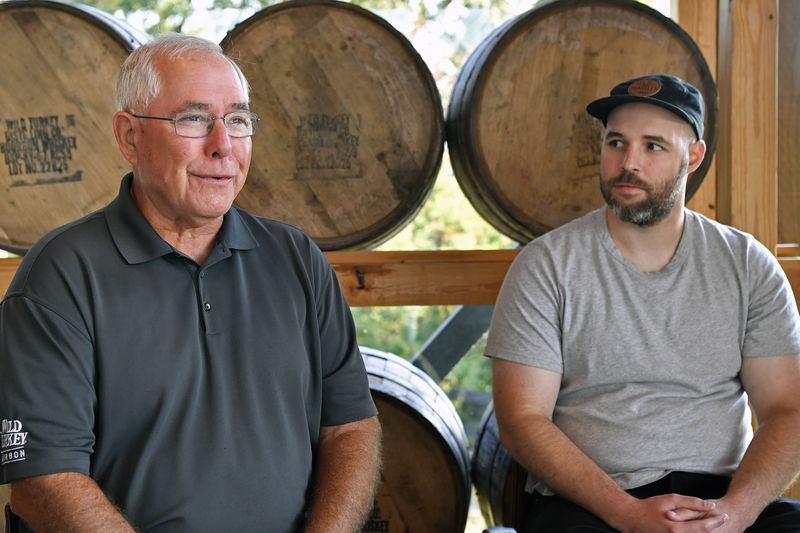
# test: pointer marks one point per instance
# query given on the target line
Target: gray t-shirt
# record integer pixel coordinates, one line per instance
(193, 394)
(649, 361)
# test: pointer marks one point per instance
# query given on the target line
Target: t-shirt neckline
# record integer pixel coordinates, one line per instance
(681, 253)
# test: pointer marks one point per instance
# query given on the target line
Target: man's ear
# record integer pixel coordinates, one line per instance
(697, 152)
(125, 133)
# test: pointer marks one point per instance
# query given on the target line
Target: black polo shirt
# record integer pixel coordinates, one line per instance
(193, 394)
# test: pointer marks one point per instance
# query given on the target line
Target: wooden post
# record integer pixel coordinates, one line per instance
(788, 122)
(699, 19)
(747, 157)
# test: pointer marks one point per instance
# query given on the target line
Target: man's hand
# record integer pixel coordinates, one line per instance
(737, 521)
(671, 513)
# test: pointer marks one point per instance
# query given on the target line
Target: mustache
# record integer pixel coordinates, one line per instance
(629, 178)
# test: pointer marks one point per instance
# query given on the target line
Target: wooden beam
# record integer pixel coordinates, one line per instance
(699, 19)
(788, 250)
(421, 278)
(747, 163)
(471, 277)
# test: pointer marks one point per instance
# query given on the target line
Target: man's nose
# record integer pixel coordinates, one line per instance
(219, 142)
(630, 160)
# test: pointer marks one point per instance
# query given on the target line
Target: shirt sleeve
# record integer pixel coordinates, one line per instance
(346, 396)
(526, 325)
(47, 395)
(773, 326)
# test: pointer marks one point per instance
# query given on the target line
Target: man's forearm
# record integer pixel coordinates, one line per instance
(555, 460)
(770, 464)
(66, 502)
(347, 475)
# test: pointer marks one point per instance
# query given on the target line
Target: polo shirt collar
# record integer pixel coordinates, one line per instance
(138, 242)
(234, 233)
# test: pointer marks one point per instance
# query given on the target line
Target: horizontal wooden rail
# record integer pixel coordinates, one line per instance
(421, 278)
(464, 277)
(789, 250)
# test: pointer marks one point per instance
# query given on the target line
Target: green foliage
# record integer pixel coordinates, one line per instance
(469, 386)
(166, 15)
(473, 372)
(399, 330)
(446, 221)
(170, 15)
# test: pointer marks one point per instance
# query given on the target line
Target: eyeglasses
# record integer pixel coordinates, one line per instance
(195, 124)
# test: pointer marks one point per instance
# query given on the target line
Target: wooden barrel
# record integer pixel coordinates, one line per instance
(352, 128)
(788, 122)
(523, 148)
(499, 480)
(59, 157)
(425, 483)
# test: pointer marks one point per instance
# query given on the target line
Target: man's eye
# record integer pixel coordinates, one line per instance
(238, 120)
(192, 119)
(654, 147)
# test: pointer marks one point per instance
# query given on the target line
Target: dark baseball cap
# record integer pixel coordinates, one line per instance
(663, 90)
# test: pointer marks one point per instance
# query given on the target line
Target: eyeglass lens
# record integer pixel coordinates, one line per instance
(199, 124)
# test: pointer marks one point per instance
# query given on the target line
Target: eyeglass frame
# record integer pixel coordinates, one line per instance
(210, 124)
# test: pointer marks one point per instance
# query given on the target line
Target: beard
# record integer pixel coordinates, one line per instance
(657, 204)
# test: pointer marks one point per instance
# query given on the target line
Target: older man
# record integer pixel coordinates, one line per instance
(175, 363)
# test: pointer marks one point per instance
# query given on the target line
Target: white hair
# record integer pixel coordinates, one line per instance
(138, 82)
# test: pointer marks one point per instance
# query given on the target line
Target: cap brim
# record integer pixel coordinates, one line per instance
(602, 107)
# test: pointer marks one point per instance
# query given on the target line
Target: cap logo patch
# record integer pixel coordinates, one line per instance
(644, 87)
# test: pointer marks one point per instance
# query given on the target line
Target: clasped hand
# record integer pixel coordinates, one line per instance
(675, 513)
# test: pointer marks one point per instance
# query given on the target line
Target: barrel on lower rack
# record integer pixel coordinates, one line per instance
(499, 480)
(425, 485)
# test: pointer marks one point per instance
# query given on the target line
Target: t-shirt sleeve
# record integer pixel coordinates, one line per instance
(46, 392)
(346, 396)
(526, 325)
(773, 326)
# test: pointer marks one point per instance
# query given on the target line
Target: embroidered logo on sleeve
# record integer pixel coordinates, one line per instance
(13, 438)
